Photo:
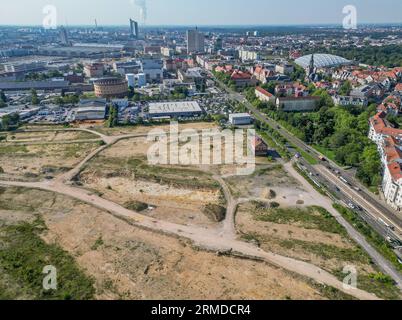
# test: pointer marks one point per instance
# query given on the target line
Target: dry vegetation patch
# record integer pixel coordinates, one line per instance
(313, 235)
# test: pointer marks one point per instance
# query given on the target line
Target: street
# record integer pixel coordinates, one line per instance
(376, 210)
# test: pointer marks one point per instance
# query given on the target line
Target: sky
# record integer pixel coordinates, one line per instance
(199, 12)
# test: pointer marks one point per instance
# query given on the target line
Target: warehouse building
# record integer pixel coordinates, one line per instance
(91, 109)
(178, 109)
(90, 113)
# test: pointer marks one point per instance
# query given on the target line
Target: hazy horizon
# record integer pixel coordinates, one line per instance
(202, 13)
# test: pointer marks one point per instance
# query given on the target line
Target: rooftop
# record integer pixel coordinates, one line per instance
(174, 107)
(322, 61)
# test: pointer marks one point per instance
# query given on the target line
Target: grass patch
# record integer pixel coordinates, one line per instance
(381, 285)
(309, 218)
(331, 293)
(326, 152)
(266, 170)
(326, 251)
(307, 156)
(13, 150)
(24, 255)
(214, 212)
(137, 206)
(98, 243)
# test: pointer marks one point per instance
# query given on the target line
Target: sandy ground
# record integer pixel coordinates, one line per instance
(206, 238)
(178, 205)
(146, 129)
(50, 136)
(271, 235)
(29, 161)
(136, 264)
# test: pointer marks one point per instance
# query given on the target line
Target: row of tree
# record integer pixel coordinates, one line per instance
(339, 131)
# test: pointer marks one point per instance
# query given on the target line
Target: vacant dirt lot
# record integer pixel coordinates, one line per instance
(39, 161)
(49, 136)
(174, 194)
(312, 235)
(145, 129)
(265, 178)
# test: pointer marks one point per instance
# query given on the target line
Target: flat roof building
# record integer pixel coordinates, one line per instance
(175, 109)
(239, 119)
(90, 113)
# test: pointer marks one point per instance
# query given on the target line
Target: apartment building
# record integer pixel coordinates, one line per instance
(389, 142)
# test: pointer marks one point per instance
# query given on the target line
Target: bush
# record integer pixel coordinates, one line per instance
(274, 205)
(23, 257)
(137, 206)
(215, 212)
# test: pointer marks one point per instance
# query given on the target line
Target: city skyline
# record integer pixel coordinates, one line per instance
(206, 13)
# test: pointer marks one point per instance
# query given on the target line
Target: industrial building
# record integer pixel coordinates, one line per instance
(91, 109)
(90, 113)
(240, 119)
(153, 70)
(111, 88)
(175, 109)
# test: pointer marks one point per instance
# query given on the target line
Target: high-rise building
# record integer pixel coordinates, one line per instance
(64, 37)
(134, 31)
(195, 41)
(218, 44)
(130, 77)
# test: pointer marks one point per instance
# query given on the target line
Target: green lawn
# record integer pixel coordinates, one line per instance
(326, 152)
(23, 256)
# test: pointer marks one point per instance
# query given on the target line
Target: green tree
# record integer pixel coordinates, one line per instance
(345, 88)
(9, 121)
(3, 96)
(34, 97)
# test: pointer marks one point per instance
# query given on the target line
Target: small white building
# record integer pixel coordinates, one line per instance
(240, 119)
(175, 109)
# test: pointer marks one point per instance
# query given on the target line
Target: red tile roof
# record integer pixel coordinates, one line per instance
(391, 150)
(264, 92)
(381, 127)
(240, 75)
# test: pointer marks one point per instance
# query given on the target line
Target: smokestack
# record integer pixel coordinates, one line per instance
(142, 4)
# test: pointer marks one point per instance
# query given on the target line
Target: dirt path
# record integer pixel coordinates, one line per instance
(327, 204)
(223, 240)
(204, 238)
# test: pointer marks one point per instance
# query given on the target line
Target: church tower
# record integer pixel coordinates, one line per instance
(311, 68)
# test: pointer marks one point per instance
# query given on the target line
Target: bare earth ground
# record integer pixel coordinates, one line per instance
(50, 136)
(33, 161)
(175, 203)
(135, 264)
(145, 129)
(129, 262)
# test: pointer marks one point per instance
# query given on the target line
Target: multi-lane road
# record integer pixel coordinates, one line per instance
(384, 219)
